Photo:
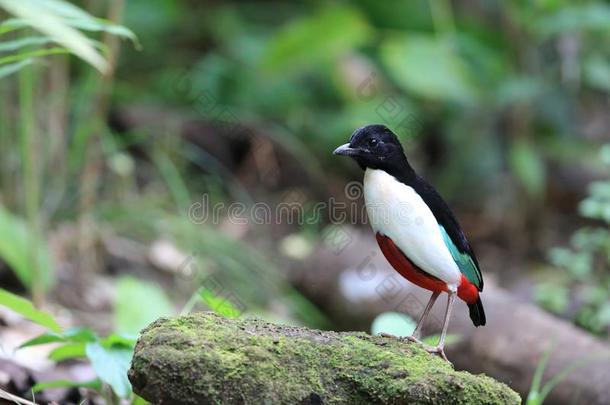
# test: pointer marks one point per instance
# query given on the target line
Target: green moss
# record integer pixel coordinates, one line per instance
(204, 358)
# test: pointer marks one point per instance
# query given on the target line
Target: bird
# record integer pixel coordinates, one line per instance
(414, 227)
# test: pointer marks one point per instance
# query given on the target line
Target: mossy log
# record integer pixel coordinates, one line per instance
(203, 358)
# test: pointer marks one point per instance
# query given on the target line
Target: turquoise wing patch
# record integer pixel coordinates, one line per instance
(465, 263)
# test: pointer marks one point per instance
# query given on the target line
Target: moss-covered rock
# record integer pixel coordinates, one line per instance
(206, 359)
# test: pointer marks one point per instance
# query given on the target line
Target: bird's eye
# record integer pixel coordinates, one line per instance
(372, 142)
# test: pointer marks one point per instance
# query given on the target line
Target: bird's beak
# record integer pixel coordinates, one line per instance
(345, 150)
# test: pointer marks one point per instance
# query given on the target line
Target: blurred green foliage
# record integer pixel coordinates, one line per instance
(60, 28)
(60, 24)
(502, 84)
(539, 391)
(110, 356)
(586, 264)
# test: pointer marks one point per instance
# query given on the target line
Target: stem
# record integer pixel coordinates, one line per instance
(94, 161)
(57, 139)
(31, 180)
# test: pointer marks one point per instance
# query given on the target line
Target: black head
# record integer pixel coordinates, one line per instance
(375, 147)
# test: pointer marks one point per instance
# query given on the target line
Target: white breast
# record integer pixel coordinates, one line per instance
(397, 211)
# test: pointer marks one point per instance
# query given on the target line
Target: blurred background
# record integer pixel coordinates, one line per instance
(163, 157)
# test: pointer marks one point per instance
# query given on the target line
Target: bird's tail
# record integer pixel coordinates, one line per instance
(477, 314)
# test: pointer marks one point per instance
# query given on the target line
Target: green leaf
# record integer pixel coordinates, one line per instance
(33, 54)
(119, 340)
(41, 386)
(139, 303)
(26, 309)
(100, 25)
(11, 68)
(393, 323)
(41, 18)
(139, 401)
(534, 393)
(313, 40)
(15, 249)
(14, 45)
(220, 305)
(79, 18)
(82, 335)
(428, 67)
(12, 24)
(111, 365)
(64, 9)
(528, 166)
(68, 351)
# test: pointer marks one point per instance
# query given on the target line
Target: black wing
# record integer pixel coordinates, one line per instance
(447, 220)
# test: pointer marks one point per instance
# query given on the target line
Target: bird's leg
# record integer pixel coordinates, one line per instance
(416, 335)
(439, 349)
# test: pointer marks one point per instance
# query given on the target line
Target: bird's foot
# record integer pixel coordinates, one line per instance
(412, 339)
(438, 351)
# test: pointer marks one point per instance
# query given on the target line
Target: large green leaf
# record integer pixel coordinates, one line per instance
(428, 67)
(16, 250)
(138, 303)
(27, 310)
(111, 364)
(316, 39)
